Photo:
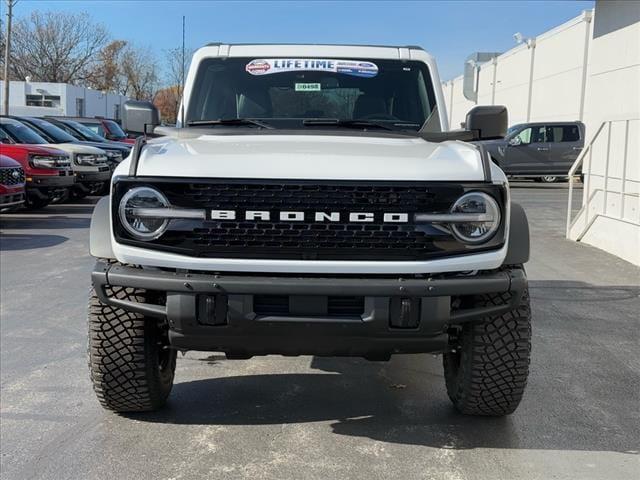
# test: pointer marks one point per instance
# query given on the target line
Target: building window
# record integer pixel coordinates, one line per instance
(116, 111)
(79, 107)
(43, 100)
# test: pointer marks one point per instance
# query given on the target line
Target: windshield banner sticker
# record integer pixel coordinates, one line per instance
(356, 68)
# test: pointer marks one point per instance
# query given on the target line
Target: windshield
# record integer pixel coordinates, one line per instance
(56, 134)
(285, 92)
(86, 132)
(21, 133)
(512, 129)
(114, 129)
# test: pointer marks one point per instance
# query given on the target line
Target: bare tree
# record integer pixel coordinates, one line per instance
(107, 75)
(175, 64)
(167, 101)
(141, 74)
(124, 68)
(171, 96)
(55, 47)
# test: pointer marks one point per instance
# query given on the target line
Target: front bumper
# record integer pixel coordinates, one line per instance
(12, 199)
(62, 180)
(92, 177)
(218, 312)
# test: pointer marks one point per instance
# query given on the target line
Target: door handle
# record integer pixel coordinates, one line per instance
(577, 148)
(542, 149)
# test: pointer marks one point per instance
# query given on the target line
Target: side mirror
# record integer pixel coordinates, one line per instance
(488, 122)
(515, 141)
(139, 117)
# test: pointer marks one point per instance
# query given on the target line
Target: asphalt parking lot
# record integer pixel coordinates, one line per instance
(306, 417)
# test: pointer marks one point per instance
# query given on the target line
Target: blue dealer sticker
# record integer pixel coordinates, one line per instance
(356, 68)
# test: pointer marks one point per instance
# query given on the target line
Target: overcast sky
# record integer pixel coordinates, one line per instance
(449, 30)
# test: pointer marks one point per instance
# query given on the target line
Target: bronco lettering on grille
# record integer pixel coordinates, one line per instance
(298, 216)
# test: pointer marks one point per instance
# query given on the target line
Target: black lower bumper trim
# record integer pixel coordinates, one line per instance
(57, 181)
(11, 200)
(230, 312)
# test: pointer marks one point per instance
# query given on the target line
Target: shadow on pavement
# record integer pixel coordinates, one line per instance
(65, 209)
(545, 186)
(28, 242)
(571, 291)
(569, 405)
(24, 222)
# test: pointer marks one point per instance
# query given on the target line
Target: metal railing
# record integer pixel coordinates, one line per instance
(590, 193)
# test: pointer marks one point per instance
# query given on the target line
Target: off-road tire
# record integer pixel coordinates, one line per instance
(487, 373)
(131, 370)
(76, 193)
(35, 203)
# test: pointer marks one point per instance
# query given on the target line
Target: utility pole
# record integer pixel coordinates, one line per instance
(182, 75)
(7, 49)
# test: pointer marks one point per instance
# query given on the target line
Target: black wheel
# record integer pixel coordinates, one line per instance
(62, 197)
(131, 367)
(104, 190)
(77, 193)
(548, 179)
(487, 373)
(35, 203)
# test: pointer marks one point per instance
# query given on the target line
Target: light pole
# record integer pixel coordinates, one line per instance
(7, 49)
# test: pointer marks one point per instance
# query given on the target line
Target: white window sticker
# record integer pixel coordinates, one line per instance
(356, 68)
(308, 87)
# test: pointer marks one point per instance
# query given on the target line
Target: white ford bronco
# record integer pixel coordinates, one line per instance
(311, 200)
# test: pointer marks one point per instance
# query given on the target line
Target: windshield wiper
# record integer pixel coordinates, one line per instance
(228, 121)
(321, 122)
(359, 123)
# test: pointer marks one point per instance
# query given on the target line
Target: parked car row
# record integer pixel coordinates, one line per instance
(59, 158)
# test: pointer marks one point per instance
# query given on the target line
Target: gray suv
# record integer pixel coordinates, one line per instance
(544, 151)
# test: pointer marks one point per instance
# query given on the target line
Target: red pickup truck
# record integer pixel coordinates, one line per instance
(11, 183)
(47, 171)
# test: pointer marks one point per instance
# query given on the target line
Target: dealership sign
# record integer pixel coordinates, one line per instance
(356, 68)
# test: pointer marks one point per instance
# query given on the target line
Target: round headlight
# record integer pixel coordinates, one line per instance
(142, 227)
(488, 214)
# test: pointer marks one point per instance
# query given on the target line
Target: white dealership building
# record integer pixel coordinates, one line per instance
(586, 69)
(60, 99)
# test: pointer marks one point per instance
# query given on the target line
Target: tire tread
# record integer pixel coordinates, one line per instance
(121, 355)
(488, 375)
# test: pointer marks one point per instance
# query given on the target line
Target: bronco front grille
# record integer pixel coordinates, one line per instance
(308, 239)
(11, 176)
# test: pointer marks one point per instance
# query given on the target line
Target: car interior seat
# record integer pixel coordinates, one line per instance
(255, 104)
(368, 106)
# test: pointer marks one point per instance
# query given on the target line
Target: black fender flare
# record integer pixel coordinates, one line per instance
(100, 230)
(518, 242)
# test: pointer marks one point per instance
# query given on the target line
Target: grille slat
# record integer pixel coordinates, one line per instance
(11, 176)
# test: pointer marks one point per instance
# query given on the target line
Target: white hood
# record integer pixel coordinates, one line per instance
(77, 148)
(321, 157)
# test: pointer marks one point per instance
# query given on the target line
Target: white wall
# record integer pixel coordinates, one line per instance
(612, 192)
(538, 80)
(585, 69)
(96, 102)
(512, 82)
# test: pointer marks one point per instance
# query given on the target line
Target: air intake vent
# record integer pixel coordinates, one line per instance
(281, 305)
